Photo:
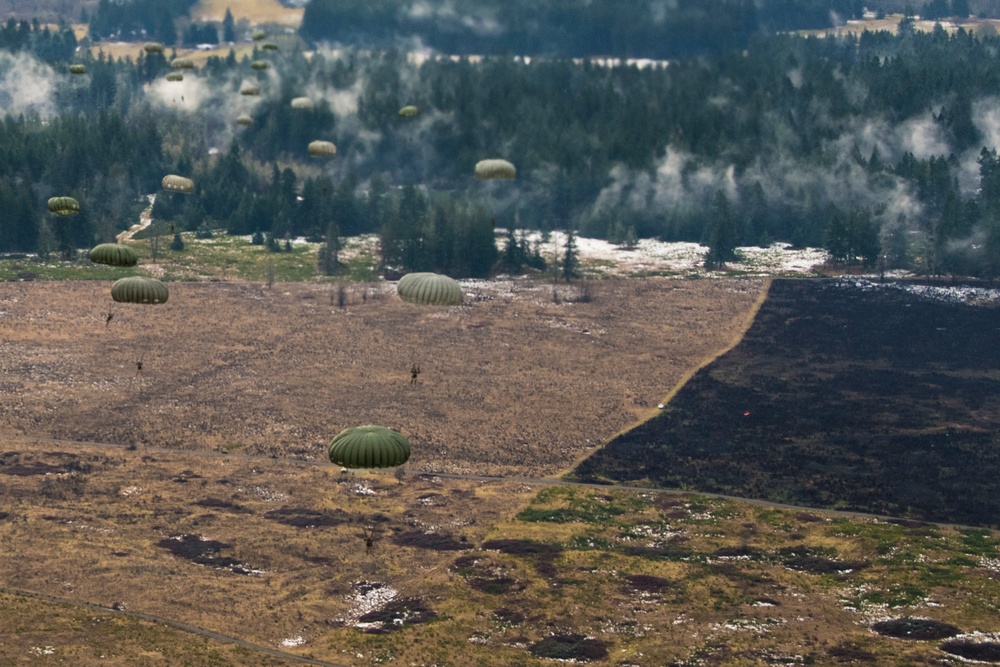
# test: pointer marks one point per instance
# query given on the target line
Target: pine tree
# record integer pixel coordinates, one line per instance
(720, 234)
(228, 27)
(328, 257)
(571, 257)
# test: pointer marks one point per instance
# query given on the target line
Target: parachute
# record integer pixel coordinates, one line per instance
(257, 35)
(175, 183)
(114, 254)
(153, 47)
(487, 169)
(77, 69)
(249, 89)
(137, 289)
(244, 119)
(260, 64)
(182, 63)
(64, 205)
(302, 103)
(369, 447)
(409, 111)
(429, 289)
(269, 46)
(322, 149)
(175, 76)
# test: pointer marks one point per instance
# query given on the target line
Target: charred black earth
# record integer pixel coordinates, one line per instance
(843, 394)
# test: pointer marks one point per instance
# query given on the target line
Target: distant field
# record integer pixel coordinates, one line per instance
(839, 395)
(257, 12)
(523, 379)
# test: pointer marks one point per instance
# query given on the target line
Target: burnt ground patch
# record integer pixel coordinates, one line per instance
(971, 650)
(570, 647)
(302, 517)
(199, 550)
(396, 614)
(875, 400)
(543, 555)
(907, 627)
(219, 503)
(432, 541)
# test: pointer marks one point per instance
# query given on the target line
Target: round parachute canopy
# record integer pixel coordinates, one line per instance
(137, 289)
(249, 89)
(259, 64)
(302, 103)
(77, 69)
(258, 35)
(409, 111)
(175, 76)
(64, 205)
(152, 47)
(369, 447)
(182, 63)
(495, 169)
(175, 183)
(429, 289)
(114, 254)
(269, 46)
(244, 119)
(322, 148)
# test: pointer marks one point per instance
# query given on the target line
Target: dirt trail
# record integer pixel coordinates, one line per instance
(145, 218)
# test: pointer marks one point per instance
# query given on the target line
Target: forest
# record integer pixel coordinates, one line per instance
(881, 148)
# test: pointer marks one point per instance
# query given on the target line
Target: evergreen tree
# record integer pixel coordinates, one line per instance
(571, 257)
(720, 233)
(228, 27)
(328, 258)
(178, 243)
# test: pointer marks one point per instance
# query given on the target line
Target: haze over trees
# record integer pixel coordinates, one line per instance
(880, 148)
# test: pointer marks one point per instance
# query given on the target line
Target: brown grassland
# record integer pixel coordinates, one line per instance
(216, 509)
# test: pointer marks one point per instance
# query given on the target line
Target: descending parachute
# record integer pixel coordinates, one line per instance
(153, 47)
(114, 254)
(249, 89)
(77, 69)
(369, 447)
(175, 183)
(269, 46)
(137, 289)
(182, 63)
(259, 64)
(488, 169)
(244, 119)
(322, 149)
(257, 35)
(64, 205)
(302, 103)
(429, 289)
(409, 111)
(175, 76)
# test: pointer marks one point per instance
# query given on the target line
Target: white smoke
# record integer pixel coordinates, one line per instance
(27, 85)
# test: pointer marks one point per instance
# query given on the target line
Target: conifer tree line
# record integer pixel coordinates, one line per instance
(880, 148)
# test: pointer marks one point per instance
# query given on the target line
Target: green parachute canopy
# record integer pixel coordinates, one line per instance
(409, 111)
(322, 148)
(260, 64)
(244, 119)
(488, 169)
(175, 183)
(302, 103)
(137, 289)
(114, 254)
(182, 63)
(175, 76)
(369, 447)
(257, 35)
(429, 289)
(64, 205)
(269, 46)
(249, 89)
(152, 47)
(77, 69)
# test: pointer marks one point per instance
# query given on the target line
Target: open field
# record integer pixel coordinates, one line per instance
(257, 12)
(462, 572)
(844, 394)
(512, 382)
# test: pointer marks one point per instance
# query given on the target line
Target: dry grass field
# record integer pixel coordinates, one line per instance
(512, 383)
(462, 572)
(257, 12)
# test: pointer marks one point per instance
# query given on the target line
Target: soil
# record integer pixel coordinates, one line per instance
(915, 628)
(512, 383)
(882, 401)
